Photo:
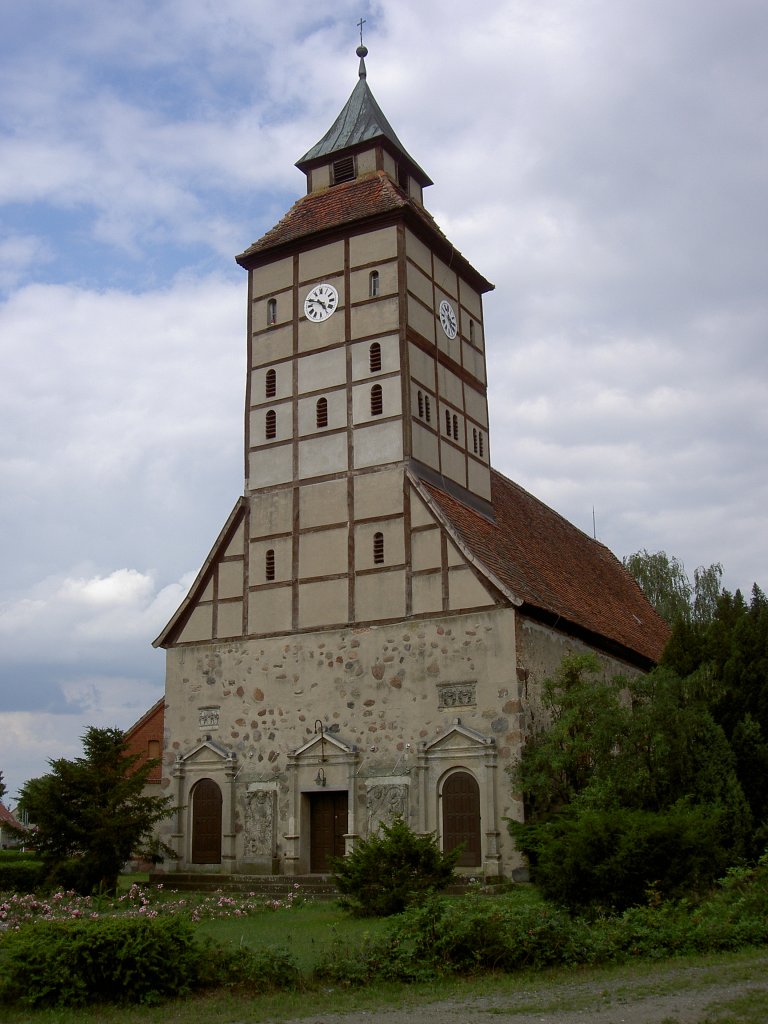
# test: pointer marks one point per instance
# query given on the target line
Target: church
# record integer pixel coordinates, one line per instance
(369, 633)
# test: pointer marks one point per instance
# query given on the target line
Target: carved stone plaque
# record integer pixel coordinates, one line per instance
(456, 695)
(260, 821)
(209, 718)
(385, 802)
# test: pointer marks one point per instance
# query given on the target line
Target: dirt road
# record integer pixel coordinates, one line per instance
(668, 994)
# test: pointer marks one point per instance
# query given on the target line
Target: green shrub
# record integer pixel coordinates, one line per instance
(611, 858)
(386, 872)
(127, 960)
(21, 874)
(505, 933)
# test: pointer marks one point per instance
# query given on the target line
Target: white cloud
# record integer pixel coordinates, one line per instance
(603, 164)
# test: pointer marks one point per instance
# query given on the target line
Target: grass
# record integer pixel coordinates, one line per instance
(306, 931)
(545, 992)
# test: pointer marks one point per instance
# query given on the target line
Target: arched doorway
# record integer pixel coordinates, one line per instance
(206, 823)
(461, 817)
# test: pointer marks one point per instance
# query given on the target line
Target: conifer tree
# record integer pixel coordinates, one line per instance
(91, 814)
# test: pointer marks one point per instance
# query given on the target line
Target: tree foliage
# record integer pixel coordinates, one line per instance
(386, 872)
(632, 784)
(91, 813)
(731, 652)
(666, 584)
(3, 789)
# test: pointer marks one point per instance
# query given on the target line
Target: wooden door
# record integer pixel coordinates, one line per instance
(461, 817)
(206, 823)
(327, 828)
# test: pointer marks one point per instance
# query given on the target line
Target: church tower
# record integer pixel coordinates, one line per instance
(368, 634)
(365, 332)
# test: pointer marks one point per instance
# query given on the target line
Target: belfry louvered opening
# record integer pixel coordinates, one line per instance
(378, 548)
(343, 169)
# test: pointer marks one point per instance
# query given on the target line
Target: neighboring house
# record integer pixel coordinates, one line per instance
(370, 631)
(145, 738)
(12, 832)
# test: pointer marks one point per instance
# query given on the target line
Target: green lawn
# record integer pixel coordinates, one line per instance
(306, 931)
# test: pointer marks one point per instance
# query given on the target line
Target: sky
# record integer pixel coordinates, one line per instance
(604, 163)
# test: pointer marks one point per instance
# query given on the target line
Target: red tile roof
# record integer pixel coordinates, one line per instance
(7, 818)
(372, 195)
(555, 568)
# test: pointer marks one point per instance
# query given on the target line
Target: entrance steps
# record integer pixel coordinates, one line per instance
(316, 887)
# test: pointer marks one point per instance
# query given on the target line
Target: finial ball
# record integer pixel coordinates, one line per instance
(362, 51)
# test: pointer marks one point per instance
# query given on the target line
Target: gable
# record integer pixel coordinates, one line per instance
(213, 607)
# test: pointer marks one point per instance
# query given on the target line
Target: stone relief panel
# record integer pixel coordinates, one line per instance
(260, 815)
(385, 800)
(456, 695)
(209, 717)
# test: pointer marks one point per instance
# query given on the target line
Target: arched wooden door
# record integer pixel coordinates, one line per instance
(206, 823)
(461, 817)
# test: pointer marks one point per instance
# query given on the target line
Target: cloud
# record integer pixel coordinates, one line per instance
(603, 164)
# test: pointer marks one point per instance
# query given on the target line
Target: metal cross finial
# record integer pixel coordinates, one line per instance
(360, 26)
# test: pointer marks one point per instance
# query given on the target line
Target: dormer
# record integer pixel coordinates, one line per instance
(361, 141)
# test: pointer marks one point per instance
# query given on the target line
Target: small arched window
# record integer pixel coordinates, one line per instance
(373, 284)
(270, 384)
(374, 357)
(427, 409)
(420, 404)
(472, 331)
(271, 311)
(377, 400)
(455, 427)
(322, 412)
(270, 424)
(474, 440)
(482, 445)
(269, 564)
(448, 423)
(378, 548)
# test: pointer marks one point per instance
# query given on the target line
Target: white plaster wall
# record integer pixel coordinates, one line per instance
(446, 282)
(373, 246)
(421, 319)
(322, 370)
(323, 503)
(361, 357)
(271, 513)
(273, 277)
(378, 444)
(270, 466)
(418, 252)
(375, 317)
(321, 262)
(420, 284)
(323, 553)
(380, 595)
(272, 345)
(379, 493)
(322, 455)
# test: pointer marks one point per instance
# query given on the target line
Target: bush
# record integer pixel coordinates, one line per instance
(385, 873)
(509, 933)
(21, 874)
(611, 858)
(127, 960)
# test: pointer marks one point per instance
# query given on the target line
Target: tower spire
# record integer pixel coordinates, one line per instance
(362, 50)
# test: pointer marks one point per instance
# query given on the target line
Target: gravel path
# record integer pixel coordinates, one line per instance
(683, 995)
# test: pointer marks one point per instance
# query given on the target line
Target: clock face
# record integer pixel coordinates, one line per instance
(448, 319)
(321, 303)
